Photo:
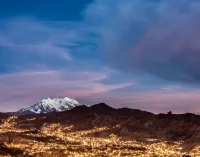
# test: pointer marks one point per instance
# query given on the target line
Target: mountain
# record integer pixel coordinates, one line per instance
(134, 129)
(47, 105)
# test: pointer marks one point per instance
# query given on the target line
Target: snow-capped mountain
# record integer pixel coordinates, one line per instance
(50, 105)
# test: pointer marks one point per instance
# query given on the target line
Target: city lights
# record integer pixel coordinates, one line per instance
(67, 141)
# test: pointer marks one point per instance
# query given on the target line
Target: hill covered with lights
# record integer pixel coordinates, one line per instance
(100, 130)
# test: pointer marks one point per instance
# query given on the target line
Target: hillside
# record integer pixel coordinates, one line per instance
(82, 127)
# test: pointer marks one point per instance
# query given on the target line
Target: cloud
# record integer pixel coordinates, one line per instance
(158, 37)
(31, 42)
(28, 35)
(61, 58)
(24, 88)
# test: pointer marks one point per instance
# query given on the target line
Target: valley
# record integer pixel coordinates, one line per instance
(99, 131)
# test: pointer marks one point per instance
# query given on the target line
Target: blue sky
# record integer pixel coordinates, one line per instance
(139, 54)
(44, 10)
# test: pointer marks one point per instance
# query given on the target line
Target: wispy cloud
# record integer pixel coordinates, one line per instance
(40, 38)
(25, 88)
(52, 44)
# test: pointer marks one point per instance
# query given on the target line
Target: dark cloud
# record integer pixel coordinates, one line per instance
(159, 37)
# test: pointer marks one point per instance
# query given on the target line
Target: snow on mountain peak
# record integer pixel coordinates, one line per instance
(47, 104)
(46, 97)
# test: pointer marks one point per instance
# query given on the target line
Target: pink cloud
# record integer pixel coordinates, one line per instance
(24, 88)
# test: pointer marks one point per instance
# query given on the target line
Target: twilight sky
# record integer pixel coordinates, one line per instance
(128, 53)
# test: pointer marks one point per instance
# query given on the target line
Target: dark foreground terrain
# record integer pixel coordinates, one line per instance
(100, 131)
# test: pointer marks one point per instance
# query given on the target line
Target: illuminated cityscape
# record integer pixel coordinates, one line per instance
(61, 140)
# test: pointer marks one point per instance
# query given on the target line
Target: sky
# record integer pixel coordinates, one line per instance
(142, 54)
